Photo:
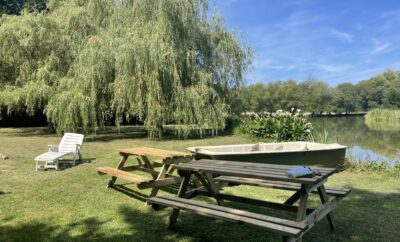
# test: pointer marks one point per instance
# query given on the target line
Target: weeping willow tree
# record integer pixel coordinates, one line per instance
(85, 62)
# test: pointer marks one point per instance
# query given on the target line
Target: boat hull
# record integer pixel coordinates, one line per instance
(331, 157)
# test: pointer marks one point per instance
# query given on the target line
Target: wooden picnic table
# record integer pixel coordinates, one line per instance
(216, 174)
(164, 159)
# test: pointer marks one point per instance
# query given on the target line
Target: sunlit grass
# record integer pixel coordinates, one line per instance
(74, 205)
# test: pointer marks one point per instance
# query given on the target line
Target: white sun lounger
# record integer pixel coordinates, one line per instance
(70, 145)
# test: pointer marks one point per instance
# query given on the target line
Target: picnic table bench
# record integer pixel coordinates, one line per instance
(214, 175)
(165, 160)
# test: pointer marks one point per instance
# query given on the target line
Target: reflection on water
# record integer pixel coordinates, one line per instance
(364, 143)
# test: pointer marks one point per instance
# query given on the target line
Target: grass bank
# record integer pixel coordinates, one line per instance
(383, 119)
(74, 205)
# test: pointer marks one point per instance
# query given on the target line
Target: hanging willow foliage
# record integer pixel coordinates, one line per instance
(85, 62)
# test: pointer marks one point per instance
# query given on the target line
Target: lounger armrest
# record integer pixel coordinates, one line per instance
(53, 148)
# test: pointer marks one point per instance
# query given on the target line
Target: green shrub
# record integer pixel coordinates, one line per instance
(372, 166)
(277, 127)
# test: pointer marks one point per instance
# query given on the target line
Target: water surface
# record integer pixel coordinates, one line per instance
(364, 143)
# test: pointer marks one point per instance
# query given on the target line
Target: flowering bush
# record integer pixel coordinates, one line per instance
(279, 126)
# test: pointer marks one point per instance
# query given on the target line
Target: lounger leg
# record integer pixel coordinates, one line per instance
(37, 164)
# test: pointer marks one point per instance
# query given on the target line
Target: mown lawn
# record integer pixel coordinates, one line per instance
(73, 204)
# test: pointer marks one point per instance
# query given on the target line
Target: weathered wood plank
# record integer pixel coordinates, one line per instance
(260, 165)
(244, 173)
(214, 193)
(239, 165)
(252, 168)
(123, 175)
(278, 185)
(302, 211)
(140, 168)
(324, 199)
(209, 211)
(147, 151)
(147, 164)
(294, 198)
(322, 211)
(181, 193)
(246, 200)
(159, 183)
(120, 165)
(262, 217)
(313, 187)
(238, 168)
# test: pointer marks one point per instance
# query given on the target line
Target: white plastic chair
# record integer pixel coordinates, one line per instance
(70, 145)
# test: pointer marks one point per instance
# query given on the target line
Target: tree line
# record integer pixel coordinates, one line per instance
(381, 91)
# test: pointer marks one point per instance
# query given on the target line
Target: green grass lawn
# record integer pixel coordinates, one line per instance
(73, 204)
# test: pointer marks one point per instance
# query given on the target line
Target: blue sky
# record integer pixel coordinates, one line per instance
(332, 40)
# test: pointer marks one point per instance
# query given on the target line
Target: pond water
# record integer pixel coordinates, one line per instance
(365, 143)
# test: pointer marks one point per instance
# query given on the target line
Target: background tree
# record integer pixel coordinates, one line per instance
(16, 6)
(86, 62)
(315, 96)
(345, 98)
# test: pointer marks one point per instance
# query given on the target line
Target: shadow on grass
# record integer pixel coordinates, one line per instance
(65, 164)
(4, 193)
(143, 226)
(28, 132)
(173, 189)
(130, 192)
(111, 133)
(362, 216)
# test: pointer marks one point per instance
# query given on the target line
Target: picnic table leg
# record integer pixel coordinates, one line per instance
(288, 239)
(214, 187)
(139, 161)
(324, 198)
(171, 170)
(209, 184)
(147, 164)
(291, 200)
(120, 165)
(301, 212)
(160, 176)
(181, 193)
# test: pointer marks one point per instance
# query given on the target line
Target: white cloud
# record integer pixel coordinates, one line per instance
(343, 36)
(301, 43)
(332, 67)
(379, 48)
(389, 14)
(300, 18)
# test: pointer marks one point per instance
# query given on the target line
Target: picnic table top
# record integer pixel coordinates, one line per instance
(253, 170)
(146, 151)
